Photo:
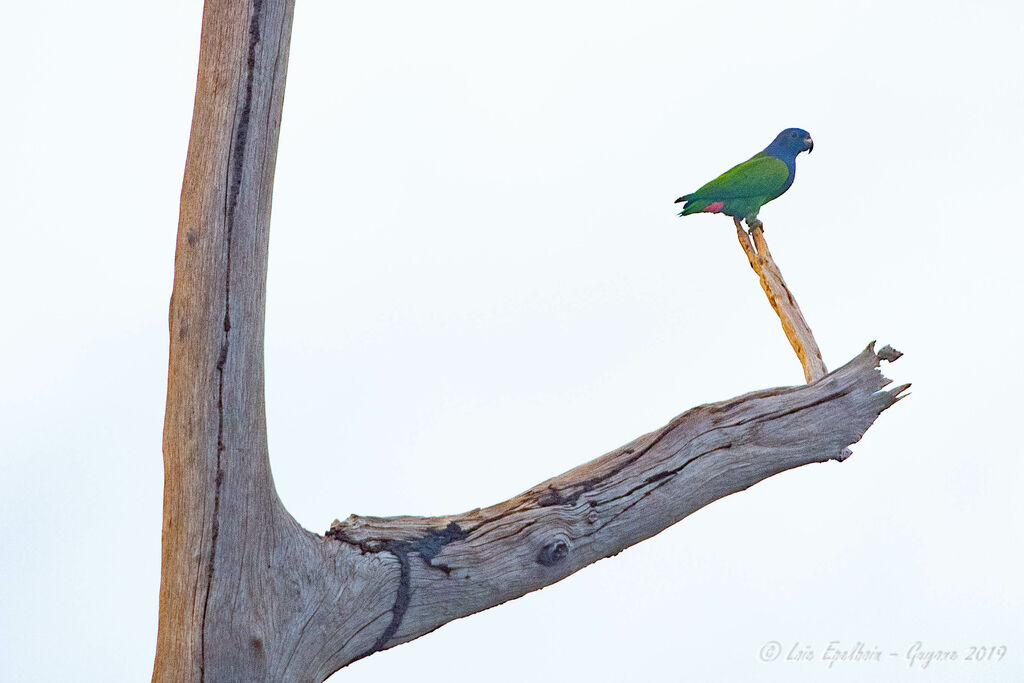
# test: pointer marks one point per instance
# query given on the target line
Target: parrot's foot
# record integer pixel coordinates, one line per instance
(753, 224)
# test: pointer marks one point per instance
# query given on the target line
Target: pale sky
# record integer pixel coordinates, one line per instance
(477, 281)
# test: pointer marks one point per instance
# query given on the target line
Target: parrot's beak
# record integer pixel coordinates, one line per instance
(810, 144)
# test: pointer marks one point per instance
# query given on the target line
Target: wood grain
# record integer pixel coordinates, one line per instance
(451, 566)
(217, 485)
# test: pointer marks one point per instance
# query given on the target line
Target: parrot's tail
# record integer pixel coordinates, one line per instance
(685, 198)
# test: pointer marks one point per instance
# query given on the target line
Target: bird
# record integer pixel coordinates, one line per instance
(741, 191)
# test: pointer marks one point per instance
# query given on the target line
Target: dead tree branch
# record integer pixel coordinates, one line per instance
(451, 566)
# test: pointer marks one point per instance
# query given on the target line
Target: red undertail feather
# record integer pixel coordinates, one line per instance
(714, 207)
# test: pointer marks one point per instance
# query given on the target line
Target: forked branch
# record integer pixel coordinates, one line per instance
(246, 594)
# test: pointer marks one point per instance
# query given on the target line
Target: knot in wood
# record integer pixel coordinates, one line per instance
(553, 553)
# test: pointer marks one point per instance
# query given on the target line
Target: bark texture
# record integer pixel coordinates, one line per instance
(246, 594)
(798, 332)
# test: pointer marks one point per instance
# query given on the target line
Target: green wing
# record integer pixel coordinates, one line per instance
(760, 176)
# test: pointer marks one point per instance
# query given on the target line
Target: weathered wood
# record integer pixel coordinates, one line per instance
(798, 332)
(221, 519)
(451, 566)
(246, 594)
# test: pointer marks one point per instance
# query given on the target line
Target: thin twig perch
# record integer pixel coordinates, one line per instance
(798, 332)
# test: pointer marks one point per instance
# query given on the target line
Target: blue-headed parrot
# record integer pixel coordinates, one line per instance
(741, 191)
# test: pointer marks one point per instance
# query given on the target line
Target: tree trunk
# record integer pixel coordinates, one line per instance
(223, 524)
(246, 594)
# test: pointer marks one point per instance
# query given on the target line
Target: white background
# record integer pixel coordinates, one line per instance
(477, 281)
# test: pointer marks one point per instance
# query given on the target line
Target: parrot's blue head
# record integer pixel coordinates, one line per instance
(791, 142)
